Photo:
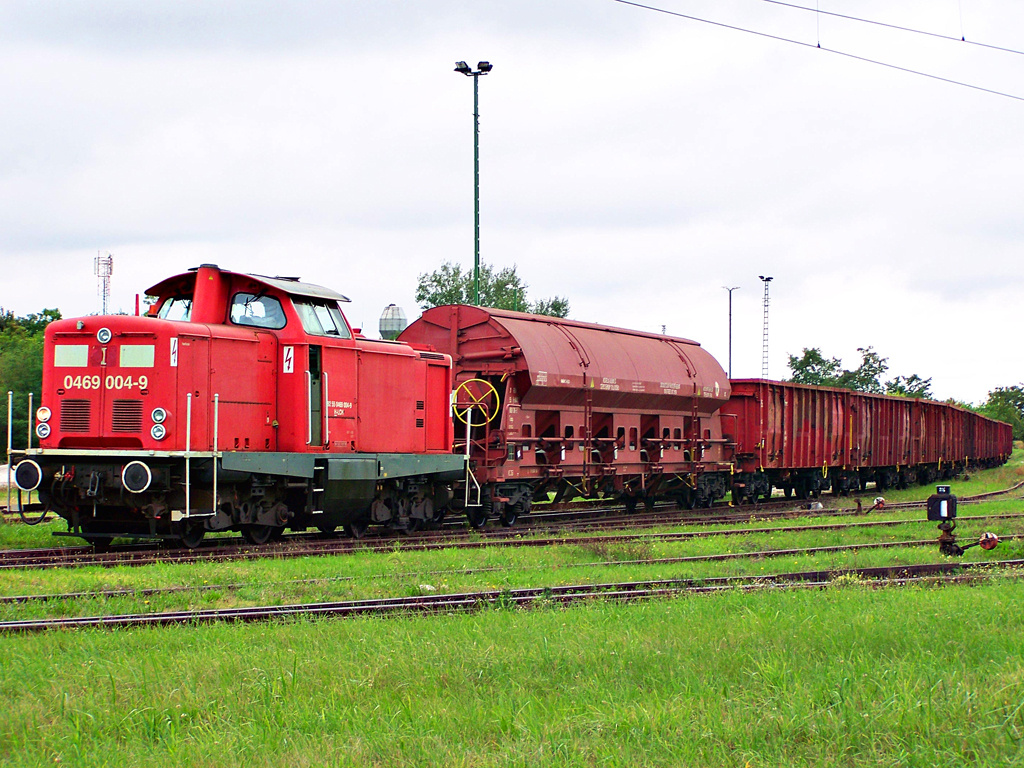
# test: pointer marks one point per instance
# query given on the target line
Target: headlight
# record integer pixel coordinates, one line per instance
(28, 475)
(159, 415)
(159, 432)
(136, 477)
(103, 335)
(43, 413)
(43, 430)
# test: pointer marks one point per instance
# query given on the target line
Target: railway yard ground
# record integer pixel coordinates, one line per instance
(632, 645)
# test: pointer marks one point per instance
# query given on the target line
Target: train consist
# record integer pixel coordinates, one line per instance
(581, 409)
(243, 402)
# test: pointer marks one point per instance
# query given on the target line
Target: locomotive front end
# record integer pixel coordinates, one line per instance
(109, 426)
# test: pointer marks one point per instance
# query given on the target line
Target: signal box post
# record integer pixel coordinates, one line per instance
(942, 507)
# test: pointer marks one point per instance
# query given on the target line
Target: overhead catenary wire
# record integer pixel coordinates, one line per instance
(819, 47)
(897, 27)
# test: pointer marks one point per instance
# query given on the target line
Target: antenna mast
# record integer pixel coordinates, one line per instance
(103, 266)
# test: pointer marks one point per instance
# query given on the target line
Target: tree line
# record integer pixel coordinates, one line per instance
(21, 369)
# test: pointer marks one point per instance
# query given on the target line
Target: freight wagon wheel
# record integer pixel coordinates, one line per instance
(257, 534)
(512, 512)
(476, 395)
(686, 500)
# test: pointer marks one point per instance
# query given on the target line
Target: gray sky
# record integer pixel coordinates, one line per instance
(632, 161)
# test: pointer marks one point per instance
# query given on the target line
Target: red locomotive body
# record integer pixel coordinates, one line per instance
(807, 439)
(240, 402)
(577, 408)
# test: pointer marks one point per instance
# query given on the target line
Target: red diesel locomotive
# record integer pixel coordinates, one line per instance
(243, 402)
(238, 402)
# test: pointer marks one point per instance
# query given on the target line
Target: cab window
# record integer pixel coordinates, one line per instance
(176, 308)
(257, 310)
(321, 318)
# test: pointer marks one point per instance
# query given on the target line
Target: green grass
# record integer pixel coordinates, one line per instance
(848, 676)
(844, 677)
(369, 574)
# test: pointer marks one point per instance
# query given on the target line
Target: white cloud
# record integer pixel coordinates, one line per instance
(631, 161)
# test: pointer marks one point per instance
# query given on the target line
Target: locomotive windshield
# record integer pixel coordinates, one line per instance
(257, 310)
(321, 318)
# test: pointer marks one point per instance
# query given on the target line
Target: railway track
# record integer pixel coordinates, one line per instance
(566, 518)
(526, 598)
(70, 557)
(592, 507)
(750, 555)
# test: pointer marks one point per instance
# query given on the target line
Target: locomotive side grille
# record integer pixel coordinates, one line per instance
(75, 415)
(419, 405)
(127, 416)
(431, 356)
(419, 423)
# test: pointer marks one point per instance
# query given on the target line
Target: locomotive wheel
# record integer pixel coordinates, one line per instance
(477, 516)
(258, 534)
(357, 529)
(191, 533)
(438, 518)
(98, 543)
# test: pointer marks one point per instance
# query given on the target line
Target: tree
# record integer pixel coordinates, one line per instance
(866, 377)
(812, 367)
(502, 289)
(21, 368)
(1007, 404)
(910, 386)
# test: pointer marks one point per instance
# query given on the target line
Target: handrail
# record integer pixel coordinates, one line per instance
(188, 456)
(325, 407)
(309, 408)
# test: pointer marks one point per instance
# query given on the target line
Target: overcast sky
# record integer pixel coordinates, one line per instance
(632, 161)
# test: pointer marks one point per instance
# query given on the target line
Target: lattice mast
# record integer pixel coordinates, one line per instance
(103, 266)
(764, 330)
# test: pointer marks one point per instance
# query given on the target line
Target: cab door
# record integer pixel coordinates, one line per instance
(314, 397)
(339, 396)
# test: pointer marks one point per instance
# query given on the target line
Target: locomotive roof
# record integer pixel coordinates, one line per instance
(290, 285)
